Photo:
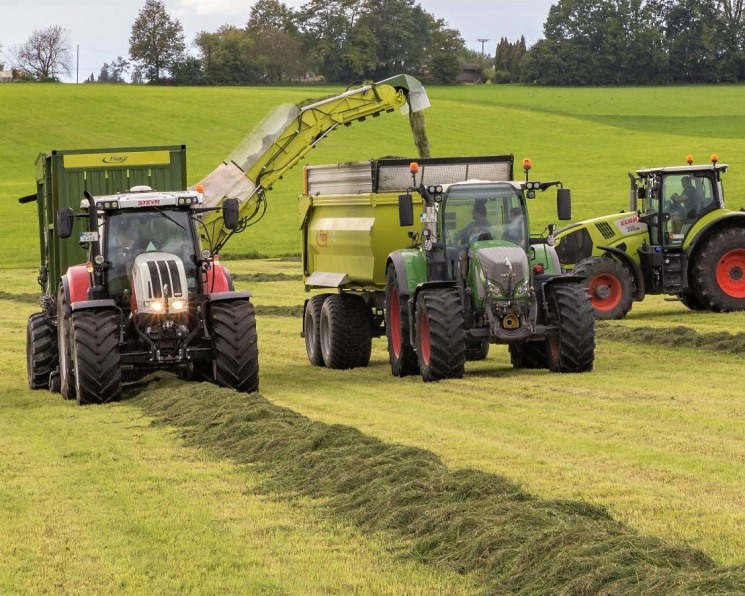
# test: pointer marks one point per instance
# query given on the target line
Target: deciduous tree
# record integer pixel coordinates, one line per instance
(156, 42)
(45, 55)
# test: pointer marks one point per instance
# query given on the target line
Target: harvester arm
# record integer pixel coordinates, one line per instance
(285, 136)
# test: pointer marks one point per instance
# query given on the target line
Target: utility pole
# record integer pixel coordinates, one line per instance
(483, 41)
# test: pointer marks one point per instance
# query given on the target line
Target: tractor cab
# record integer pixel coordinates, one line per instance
(131, 236)
(675, 198)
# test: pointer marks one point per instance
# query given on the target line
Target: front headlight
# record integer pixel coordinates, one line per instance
(155, 306)
(177, 305)
(522, 289)
(494, 289)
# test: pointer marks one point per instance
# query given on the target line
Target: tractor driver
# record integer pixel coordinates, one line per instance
(123, 248)
(479, 225)
(685, 205)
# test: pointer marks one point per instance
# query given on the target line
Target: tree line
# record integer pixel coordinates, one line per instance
(607, 42)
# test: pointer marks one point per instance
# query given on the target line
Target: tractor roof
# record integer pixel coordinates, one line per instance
(143, 196)
(647, 172)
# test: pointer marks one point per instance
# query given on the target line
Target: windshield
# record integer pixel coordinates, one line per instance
(484, 211)
(130, 233)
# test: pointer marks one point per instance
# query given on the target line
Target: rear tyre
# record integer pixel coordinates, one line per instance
(95, 356)
(236, 360)
(572, 348)
(41, 350)
(345, 332)
(312, 327)
(532, 354)
(440, 335)
(478, 350)
(64, 350)
(610, 285)
(401, 353)
(719, 271)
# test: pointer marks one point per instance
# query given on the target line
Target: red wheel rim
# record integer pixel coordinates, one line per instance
(605, 291)
(731, 273)
(554, 346)
(424, 337)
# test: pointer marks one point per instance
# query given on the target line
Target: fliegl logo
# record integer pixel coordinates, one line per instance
(114, 159)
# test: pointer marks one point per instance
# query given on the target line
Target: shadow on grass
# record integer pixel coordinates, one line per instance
(464, 520)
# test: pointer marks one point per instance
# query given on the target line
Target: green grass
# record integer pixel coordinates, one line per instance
(99, 500)
(588, 138)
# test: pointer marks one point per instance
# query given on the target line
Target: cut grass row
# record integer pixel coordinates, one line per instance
(662, 459)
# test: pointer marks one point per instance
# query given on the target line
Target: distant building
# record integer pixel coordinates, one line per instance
(470, 75)
(6, 76)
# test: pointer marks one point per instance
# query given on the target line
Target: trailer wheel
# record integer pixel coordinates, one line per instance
(236, 359)
(95, 356)
(440, 335)
(345, 332)
(312, 329)
(719, 271)
(531, 354)
(572, 347)
(41, 350)
(64, 350)
(476, 351)
(610, 285)
(401, 353)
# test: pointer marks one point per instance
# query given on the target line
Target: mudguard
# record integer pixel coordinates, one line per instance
(218, 280)
(76, 283)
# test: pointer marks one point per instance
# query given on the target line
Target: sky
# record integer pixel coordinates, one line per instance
(99, 30)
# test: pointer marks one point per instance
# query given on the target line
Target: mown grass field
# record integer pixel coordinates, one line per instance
(99, 500)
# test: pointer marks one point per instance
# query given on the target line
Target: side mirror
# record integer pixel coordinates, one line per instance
(65, 218)
(634, 193)
(564, 204)
(230, 213)
(405, 210)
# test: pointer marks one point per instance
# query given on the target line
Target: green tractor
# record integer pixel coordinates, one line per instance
(474, 277)
(680, 241)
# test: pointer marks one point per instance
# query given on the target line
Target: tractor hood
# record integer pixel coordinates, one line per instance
(502, 271)
(159, 284)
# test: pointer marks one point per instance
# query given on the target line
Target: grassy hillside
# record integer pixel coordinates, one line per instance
(589, 138)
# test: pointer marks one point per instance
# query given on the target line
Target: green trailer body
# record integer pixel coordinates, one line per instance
(63, 175)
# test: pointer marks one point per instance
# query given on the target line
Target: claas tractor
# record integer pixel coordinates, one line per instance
(676, 239)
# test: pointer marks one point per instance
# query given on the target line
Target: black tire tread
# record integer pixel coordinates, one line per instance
(236, 358)
(41, 350)
(96, 359)
(574, 313)
(707, 289)
(406, 363)
(350, 333)
(446, 335)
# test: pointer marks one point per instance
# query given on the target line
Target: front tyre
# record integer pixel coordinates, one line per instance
(719, 271)
(571, 348)
(41, 351)
(236, 359)
(610, 285)
(440, 335)
(95, 356)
